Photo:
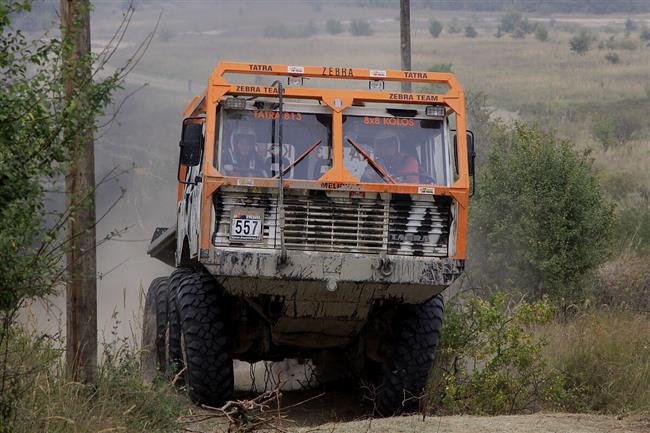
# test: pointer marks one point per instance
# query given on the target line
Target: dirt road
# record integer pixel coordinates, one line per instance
(342, 412)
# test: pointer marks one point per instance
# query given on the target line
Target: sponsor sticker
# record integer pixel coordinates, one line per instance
(426, 190)
(296, 69)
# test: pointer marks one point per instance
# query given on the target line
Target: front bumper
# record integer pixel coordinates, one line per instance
(409, 278)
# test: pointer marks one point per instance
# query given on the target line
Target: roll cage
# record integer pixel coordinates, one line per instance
(338, 177)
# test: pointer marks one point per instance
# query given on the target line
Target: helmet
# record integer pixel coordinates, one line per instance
(243, 135)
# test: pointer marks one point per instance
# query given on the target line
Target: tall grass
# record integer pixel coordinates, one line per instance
(605, 359)
(46, 401)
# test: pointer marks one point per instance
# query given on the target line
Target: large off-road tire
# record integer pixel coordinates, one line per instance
(173, 333)
(411, 357)
(154, 325)
(204, 340)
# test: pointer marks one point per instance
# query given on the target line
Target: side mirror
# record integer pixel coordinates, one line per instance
(471, 153)
(191, 144)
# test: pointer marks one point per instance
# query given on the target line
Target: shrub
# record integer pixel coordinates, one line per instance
(581, 42)
(488, 362)
(519, 33)
(360, 28)
(470, 32)
(613, 58)
(435, 28)
(333, 27)
(539, 220)
(602, 129)
(630, 26)
(510, 21)
(541, 33)
(605, 358)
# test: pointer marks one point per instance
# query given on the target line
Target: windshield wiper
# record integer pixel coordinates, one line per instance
(301, 157)
(380, 171)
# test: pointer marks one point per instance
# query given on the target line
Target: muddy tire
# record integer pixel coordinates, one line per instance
(204, 340)
(173, 331)
(405, 373)
(154, 325)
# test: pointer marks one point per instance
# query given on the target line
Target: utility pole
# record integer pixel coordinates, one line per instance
(81, 284)
(405, 39)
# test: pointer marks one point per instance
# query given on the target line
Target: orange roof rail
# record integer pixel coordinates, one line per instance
(452, 98)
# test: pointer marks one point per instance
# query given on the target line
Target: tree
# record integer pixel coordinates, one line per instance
(541, 33)
(539, 221)
(581, 42)
(630, 26)
(435, 28)
(34, 155)
(510, 21)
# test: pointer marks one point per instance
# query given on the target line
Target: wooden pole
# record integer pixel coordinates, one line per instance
(81, 284)
(405, 39)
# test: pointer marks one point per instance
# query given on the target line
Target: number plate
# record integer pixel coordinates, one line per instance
(246, 224)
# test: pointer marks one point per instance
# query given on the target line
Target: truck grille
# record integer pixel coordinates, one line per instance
(395, 224)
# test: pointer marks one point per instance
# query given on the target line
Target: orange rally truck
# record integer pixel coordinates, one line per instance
(318, 222)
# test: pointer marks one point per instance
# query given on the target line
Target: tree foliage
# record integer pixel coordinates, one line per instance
(38, 119)
(538, 221)
(435, 28)
(581, 42)
(488, 362)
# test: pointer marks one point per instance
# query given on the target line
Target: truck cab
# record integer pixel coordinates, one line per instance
(319, 223)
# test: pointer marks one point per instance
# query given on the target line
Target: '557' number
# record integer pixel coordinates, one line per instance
(246, 228)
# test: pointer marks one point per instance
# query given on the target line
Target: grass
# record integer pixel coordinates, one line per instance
(605, 359)
(43, 399)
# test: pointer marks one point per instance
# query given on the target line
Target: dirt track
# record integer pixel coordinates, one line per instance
(339, 412)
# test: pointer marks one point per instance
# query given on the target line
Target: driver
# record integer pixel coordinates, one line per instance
(241, 158)
(404, 168)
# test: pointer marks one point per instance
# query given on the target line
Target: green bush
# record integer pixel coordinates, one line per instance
(470, 32)
(435, 28)
(541, 33)
(489, 362)
(333, 27)
(539, 220)
(361, 28)
(581, 42)
(602, 130)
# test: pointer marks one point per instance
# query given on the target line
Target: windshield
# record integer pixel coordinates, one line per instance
(248, 144)
(396, 149)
